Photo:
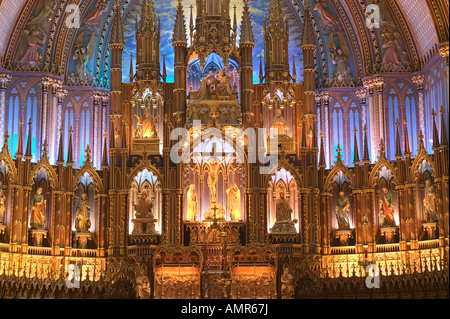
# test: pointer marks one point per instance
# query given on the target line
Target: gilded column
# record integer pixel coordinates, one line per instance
(419, 80)
(46, 84)
(4, 80)
(373, 122)
(379, 83)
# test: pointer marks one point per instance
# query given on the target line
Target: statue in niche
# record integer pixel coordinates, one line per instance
(342, 212)
(223, 85)
(215, 209)
(143, 290)
(279, 123)
(325, 15)
(387, 208)
(192, 205)
(38, 208)
(144, 205)
(340, 55)
(96, 14)
(83, 214)
(34, 43)
(2, 203)
(234, 202)
(284, 222)
(204, 92)
(430, 203)
(287, 284)
(82, 56)
(146, 126)
(393, 53)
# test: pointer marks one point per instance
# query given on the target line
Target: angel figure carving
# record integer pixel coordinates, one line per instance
(340, 55)
(96, 14)
(34, 41)
(393, 54)
(82, 55)
(327, 17)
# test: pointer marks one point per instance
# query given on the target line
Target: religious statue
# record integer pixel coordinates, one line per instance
(96, 14)
(325, 15)
(192, 205)
(212, 182)
(204, 92)
(82, 219)
(82, 55)
(342, 211)
(223, 85)
(215, 209)
(34, 43)
(2, 203)
(234, 202)
(393, 53)
(340, 55)
(387, 208)
(144, 206)
(143, 290)
(287, 284)
(38, 208)
(279, 123)
(430, 203)
(147, 125)
(284, 222)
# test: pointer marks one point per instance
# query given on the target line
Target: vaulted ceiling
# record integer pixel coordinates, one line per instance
(420, 25)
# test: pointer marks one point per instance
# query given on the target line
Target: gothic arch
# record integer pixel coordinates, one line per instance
(334, 172)
(87, 168)
(283, 163)
(145, 164)
(378, 167)
(413, 169)
(50, 172)
(6, 157)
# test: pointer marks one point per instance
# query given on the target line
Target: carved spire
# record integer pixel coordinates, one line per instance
(435, 131)
(339, 154)
(60, 160)
(356, 150)
(44, 150)
(322, 162)
(117, 36)
(398, 150)
(420, 137)
(294, 69)
(261, 73)
(112, 135)
(366, 156)
(164, 75)
(179, 31)
(382, 149)
(19, 151)
(105, 151)
(308, 34)
(444, 140)
(87, 155)
(5, 148)
(246, 26)
(70, 150)
(304, 134)
(28, 153)
(148, 20)
(131, 67)
(407, 144)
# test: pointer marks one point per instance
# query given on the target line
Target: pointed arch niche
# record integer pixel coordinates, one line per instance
(283, 181)
(85, 185)
(145, 181)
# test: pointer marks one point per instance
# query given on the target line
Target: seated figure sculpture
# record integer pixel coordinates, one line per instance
(284, 222)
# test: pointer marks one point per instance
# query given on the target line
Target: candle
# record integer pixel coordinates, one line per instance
(179, 269)
(163, 272)
(238, 270)
(254, 269)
